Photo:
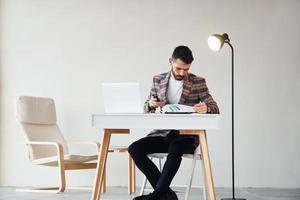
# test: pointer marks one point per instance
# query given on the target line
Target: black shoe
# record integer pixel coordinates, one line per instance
(152, 196)
(169, 195)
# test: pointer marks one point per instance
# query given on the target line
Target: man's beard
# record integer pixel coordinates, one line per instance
(177, 77)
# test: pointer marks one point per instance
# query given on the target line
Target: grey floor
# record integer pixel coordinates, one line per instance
(119, 193)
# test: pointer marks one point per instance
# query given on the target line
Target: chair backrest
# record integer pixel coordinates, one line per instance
(37, 117)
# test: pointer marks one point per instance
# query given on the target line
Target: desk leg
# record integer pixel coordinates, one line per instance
(131, 176)
(101, 165)
(207, 165)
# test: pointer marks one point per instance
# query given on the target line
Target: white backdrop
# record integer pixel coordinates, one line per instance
(65, 48)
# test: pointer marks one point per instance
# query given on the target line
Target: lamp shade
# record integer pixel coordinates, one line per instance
(216, 41)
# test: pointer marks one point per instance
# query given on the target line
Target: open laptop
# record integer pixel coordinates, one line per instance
(122, 98)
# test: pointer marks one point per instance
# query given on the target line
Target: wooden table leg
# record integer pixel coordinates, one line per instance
(133, 181)
(101, 165)
(131, 176)
(207, 165)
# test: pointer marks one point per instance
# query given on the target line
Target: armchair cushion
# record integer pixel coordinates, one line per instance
(68, 158)
(36, 110)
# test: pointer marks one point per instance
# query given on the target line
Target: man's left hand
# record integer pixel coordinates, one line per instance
(200, 108)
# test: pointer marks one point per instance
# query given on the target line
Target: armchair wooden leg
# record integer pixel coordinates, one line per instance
(41, 190)
(59, 189)
(62, 176)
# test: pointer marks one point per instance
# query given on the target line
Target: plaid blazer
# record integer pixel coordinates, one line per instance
(194, 90)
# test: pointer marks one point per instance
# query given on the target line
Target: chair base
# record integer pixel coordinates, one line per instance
(53, 189)
(41, 190)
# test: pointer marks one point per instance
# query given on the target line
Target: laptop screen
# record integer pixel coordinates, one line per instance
(122, 98)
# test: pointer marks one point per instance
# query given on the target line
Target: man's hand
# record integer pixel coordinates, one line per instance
(201, 108)
(154, 103)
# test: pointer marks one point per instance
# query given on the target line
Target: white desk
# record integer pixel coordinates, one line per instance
(192, 124)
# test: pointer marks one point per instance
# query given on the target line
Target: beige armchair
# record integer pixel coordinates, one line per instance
(47, 146)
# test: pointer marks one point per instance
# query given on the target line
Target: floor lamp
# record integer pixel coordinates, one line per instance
(216, 42)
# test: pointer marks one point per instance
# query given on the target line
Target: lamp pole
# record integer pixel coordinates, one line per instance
(232, 121)
(216, 42)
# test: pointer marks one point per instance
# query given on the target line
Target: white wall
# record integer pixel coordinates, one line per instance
(65, 49)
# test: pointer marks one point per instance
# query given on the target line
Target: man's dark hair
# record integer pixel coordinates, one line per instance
(184, 54)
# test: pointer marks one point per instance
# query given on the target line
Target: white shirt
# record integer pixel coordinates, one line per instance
(174, 90)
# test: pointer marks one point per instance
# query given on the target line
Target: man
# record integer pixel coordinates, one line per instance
(176, 86)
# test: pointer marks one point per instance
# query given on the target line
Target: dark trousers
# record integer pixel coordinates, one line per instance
(174, 144)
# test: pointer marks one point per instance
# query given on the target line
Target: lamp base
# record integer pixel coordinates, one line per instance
(233, 199)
